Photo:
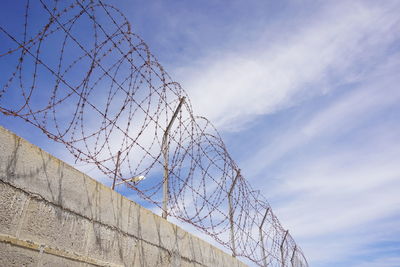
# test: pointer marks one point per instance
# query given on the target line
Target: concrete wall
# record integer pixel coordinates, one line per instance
(53, 215)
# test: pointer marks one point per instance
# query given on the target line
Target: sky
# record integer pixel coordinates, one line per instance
(305, 95)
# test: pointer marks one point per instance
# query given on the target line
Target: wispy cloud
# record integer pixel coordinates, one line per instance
(358, 106)
(331, 170)
(333, 175)
(290, 65)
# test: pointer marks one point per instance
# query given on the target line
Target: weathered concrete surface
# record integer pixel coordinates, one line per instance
(53, 215)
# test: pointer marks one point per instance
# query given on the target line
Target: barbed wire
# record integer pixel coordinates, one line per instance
(87, 81)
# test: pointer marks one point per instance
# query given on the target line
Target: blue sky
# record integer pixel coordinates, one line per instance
(306, 96)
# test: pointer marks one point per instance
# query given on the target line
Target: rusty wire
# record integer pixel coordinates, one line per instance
(80, 75)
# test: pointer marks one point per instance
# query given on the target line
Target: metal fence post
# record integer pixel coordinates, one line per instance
(283, 241)
(262, 238)
(116, 169)
(231, 213)
(164, 148)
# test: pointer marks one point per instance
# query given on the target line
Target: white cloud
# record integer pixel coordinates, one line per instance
(338, 205)
(345, 114)
(233, 88)
(337, 200)
(339, 194)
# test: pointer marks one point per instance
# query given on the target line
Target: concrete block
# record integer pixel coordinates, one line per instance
(132, 212)
(147, 255)
(12, 203)
(148, 227)
(28, 167)
(188, 246)
(112, 208)
(76, 192)
(167, 234)
(110, 245)
(208, 255)
(186, 263)
(13, 256)
(50, 225)
(48, 260)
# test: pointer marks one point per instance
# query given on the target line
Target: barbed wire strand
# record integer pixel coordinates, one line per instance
(83, 78)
